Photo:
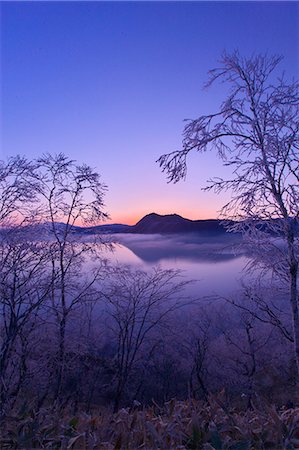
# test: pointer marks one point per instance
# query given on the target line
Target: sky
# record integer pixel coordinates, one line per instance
(110, 83)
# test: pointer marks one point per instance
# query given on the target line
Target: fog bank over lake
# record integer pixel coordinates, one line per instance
(216, 263)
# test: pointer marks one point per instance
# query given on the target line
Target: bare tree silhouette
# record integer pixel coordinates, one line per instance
(255, 132)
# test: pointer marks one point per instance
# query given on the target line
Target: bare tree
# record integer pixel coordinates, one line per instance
(22, 263)
(24, 289)
(69, 194)
(245, 346)
(138, 303)
(41, 256)
(255, 132)
(17, 190)
(198, 344)
(264, 308)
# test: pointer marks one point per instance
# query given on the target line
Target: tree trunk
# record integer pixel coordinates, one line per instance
(118, 394)
(61, 358)
(295, 312)
(293, 270)
(5, 353)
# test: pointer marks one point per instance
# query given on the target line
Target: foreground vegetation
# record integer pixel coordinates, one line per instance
(177, 424)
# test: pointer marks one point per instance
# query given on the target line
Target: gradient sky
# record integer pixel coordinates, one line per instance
(109, 84)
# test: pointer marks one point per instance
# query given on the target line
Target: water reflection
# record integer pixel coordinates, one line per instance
(215, 263)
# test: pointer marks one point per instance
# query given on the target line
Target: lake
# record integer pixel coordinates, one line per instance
(216, 263)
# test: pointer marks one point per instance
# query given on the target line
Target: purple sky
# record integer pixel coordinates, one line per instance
(109, 84)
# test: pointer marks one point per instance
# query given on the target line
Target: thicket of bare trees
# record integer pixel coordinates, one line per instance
(256, 133)
(41, 259)
(139, 305)
(25, 287)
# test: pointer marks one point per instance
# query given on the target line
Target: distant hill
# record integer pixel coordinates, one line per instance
(173, 223)
(108, 228)
(161, 224)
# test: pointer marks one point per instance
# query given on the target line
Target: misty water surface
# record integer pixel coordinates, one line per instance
(215, 262)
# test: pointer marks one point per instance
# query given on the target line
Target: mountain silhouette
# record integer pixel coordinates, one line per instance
(162, 224)
(173, 223)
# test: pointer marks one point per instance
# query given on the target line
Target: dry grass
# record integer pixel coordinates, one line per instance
(177, 425)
